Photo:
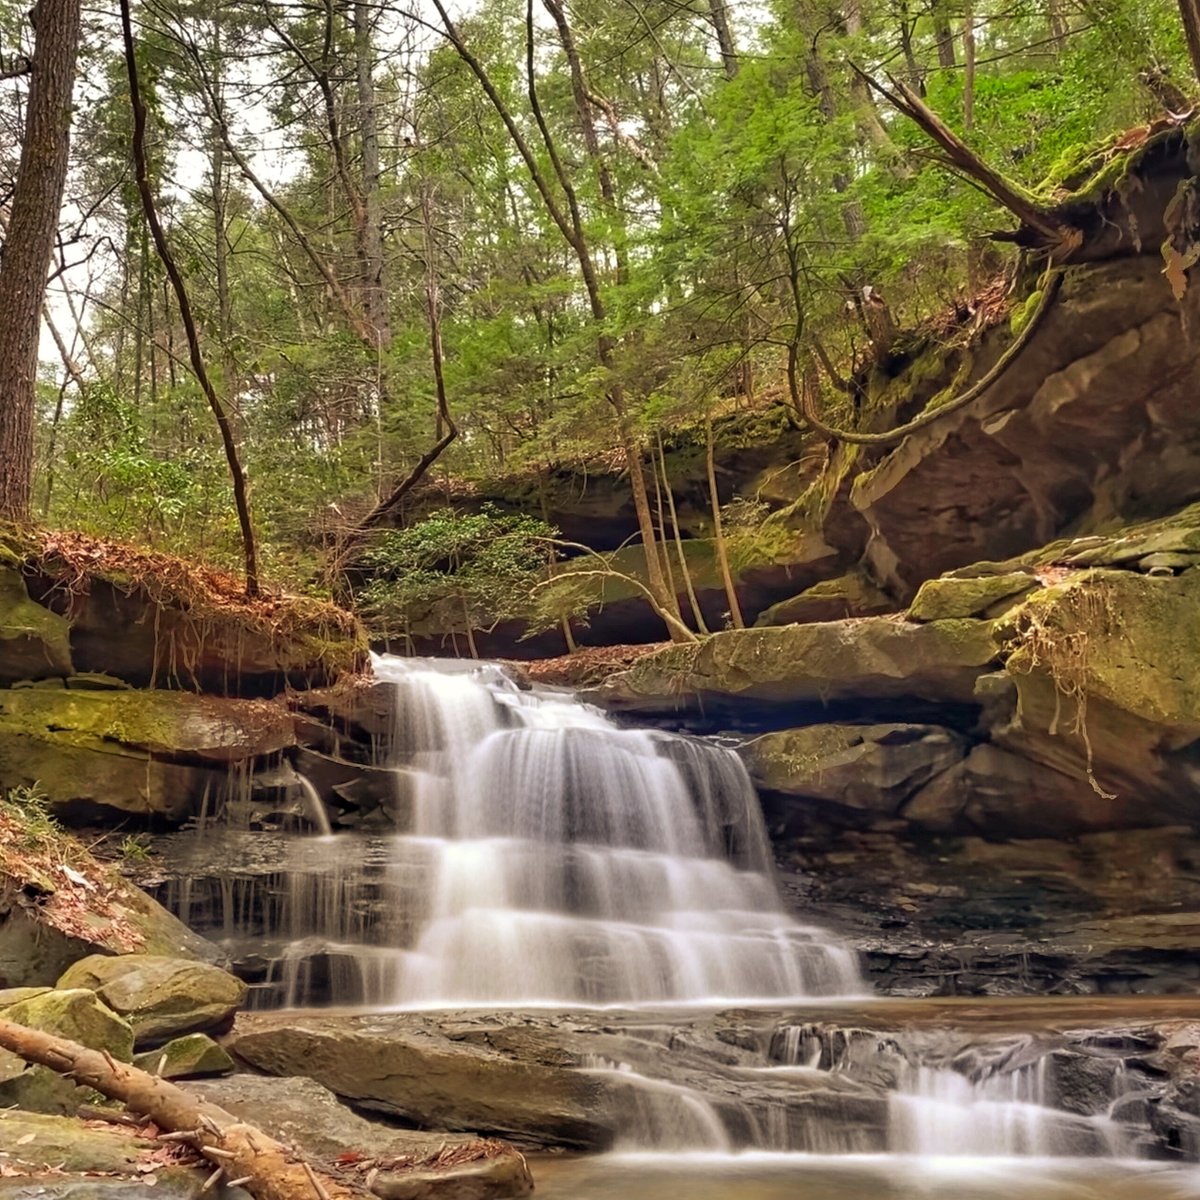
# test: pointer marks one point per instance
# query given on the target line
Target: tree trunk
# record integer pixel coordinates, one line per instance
(267, 1168)
(968, 37)
(32, 227)
(1189, 10)
(944, 36)
(718, 11)
(374, 294)
(735, 609)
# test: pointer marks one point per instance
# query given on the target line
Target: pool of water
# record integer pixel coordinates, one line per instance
(855, 1177)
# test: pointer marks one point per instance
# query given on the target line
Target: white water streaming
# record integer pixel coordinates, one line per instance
(566, 861)
(938, 1111)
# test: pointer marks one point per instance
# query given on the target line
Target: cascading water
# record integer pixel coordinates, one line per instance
(566, 861)
(539, 855)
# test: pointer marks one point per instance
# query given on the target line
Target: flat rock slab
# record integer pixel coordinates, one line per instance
(874, 658)
(550, 1079)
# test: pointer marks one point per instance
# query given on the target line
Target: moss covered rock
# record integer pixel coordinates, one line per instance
(138, 751)
(950, 597)
(34, 642)
(865, 767)
(1104, 664)
(879, 657)
(850, 595)
(42, 1141)
(77, 1014)
(160, 997)
(189, 1057)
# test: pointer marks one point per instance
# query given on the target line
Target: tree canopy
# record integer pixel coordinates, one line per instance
(458, 244)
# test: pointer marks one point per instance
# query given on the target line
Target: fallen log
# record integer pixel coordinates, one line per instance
(239, 1152)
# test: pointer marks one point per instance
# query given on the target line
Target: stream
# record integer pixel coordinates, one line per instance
(612, 889)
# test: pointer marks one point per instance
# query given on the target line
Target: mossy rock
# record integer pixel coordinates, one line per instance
(160, 997)
(1104, 664)
(74, 1013)
(873, 658)
(35, 952)
(866, 767)
(940, 599)
(13, 995)
(193, 1056)
(849, 595)
(151, 752)
(44, 1141)
(34, 642)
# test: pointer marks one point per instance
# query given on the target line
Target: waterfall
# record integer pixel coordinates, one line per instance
(564, 860)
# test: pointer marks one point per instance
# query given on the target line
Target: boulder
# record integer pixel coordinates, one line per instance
(161, 997)
(849, 595)
(1107, 691)
(983, 595)
(867, 767)
(868, 660)
(412, 1070)
(1001, 794)
(155, 752)
(49, 1157)
(188, 1057)
(44, 1141)
(34, 642)
(77, 1014)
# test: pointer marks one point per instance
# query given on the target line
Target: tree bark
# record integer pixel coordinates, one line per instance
(32, 227)
(268, 1169)
(718, 12)
(968, 38)
(1189, 10)
(944, 36)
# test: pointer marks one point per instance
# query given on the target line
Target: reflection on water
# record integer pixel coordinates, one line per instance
(856, 1177)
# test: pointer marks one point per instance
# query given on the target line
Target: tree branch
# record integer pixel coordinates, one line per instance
(961, 158)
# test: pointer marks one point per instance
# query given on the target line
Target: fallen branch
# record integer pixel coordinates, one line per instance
(804, 401)
(268, 1169)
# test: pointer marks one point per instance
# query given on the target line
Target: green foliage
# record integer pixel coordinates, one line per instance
(724, 218)
(472, 567)
(37, 829)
